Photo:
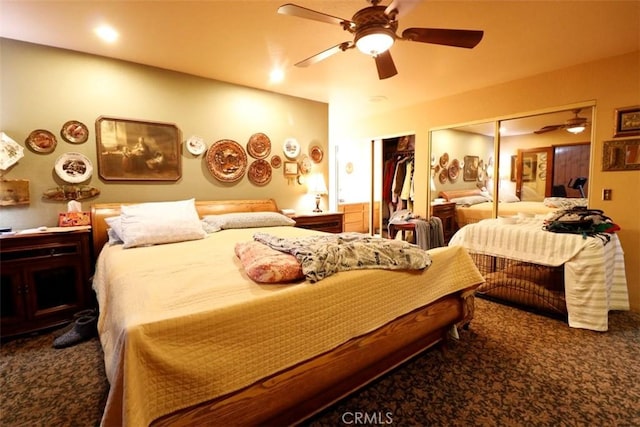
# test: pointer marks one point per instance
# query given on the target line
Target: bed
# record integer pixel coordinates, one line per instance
(472, 205)
(583, 277)
(189, 338)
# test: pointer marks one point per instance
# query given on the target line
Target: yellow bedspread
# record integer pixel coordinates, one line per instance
(181, 323)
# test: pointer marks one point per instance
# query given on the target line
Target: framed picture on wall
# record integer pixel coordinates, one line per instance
(529, 166)
(627, 121)
(470, 168)
(135, 150)
(621, 155)
(290, 169)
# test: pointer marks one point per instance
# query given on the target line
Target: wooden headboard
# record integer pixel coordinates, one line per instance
(454, 194)
(100, 211)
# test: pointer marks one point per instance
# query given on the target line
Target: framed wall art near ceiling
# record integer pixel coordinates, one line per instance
(133, 150)
(627, 121)
(621, 155)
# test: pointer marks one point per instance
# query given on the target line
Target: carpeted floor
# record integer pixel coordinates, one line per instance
(512, 368)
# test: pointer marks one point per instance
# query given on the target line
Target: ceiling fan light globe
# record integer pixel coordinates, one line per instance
(374, 42)
(576, 129)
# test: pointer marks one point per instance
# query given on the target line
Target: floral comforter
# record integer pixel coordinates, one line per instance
(323, 255)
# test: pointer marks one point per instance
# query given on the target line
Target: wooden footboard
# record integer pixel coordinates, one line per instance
(302, 390)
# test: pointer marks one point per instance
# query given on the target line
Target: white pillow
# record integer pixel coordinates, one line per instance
(247, 220)
(469, 200)
(115, 230)
(507, 197)
(160, 222)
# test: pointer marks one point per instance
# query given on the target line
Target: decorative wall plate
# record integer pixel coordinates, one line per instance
(196, 145)
(227, 160)
(316, 154)
(259, 172)
(291, 148)
(444, 159)
(10, 151)
(74, 132)
(73, 168)
(42, 141)
(454, 171)
(259, 146)
(442, 176)
(276, 161)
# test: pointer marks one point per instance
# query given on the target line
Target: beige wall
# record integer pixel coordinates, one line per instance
(43, 87)
(611, 83)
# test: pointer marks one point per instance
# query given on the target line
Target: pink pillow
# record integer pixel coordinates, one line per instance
(266, 265)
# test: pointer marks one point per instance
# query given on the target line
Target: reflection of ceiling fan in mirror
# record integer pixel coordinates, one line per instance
(374, 29)
(574, 125)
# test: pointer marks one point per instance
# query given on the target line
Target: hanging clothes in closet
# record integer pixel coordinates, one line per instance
(398, 181)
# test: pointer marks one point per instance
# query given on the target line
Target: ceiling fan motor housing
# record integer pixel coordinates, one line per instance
(371, 21)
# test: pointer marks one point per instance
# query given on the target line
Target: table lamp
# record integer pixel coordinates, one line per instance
(317, 187)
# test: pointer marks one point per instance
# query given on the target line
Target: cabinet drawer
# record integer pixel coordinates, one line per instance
(444, 210)
(30, 253)
(353, 217)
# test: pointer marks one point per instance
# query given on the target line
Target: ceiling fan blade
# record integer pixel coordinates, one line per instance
(325, 54)
(302, 12)
(457, 38)
(401, 7)
(384, 64)
(548, 129)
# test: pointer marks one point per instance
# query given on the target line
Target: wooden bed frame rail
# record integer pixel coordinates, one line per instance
(305, 389)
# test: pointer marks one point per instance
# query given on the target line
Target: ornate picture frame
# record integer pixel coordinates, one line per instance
(290, 169)
(621, 155)
(136, 150)
(470, 168)
(627, 121)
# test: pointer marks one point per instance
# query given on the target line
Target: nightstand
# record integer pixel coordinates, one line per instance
(447, 213)
(322, 221)
(45, 279)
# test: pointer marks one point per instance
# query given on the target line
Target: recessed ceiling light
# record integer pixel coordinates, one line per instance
(107, 33)
(276, 75)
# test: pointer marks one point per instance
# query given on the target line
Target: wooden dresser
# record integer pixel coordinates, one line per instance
(322, 221)
(447, 213)
(356, 216)
(45, 279)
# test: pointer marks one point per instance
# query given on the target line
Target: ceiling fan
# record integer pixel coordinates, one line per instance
(574, 125)
(374, 29)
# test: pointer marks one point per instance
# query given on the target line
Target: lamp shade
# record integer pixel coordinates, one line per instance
(316, 185)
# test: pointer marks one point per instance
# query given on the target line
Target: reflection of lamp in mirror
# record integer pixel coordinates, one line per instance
(317, 187)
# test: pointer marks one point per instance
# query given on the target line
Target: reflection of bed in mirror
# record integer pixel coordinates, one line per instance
(473, 205)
